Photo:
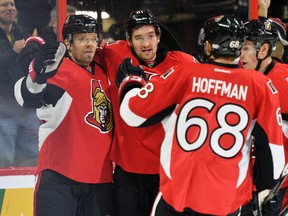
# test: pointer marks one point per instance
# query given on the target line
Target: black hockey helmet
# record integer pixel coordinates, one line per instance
(81, 23)
(260, 32)
(226, 34)
(141, 18)
(281, 29)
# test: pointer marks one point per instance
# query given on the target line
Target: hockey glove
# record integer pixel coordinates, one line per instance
(31, 47)
(131, 73)
(129, 76)
(47, 61)
(271, 207)
(268, 206)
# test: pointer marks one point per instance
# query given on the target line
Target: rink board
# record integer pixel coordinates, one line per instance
(16, 191)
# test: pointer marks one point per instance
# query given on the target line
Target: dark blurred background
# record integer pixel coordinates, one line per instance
(184, 18)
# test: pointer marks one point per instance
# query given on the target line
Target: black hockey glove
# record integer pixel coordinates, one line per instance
(47, 61)
(129, 76)
(31, 47)
(127, 71)
(272, 206)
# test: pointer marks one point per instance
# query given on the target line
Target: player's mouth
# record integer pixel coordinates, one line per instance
(89, 52)
(146, 50)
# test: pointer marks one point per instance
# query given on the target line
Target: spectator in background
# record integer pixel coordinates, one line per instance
(33, 14)
(18, 127)
(49, 33)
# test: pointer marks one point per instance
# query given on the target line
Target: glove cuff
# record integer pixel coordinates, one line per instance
(35, 39)
(131, 81)
(32, 73)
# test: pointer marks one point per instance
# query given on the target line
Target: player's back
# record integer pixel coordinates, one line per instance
(215, 116)
(210, 151)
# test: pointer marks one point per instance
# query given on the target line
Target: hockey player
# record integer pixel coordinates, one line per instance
(136, 151)
(281, 52)
(260, 41)
(70, 92)
(205, 156)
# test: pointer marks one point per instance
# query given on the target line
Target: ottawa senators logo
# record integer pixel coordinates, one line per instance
(267, 26)
(101, 115)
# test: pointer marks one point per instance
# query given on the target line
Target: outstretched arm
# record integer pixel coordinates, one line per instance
(263, 6)
(29, 90)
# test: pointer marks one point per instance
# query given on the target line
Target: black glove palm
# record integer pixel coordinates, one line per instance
(271, 207)
(126, 69)
(47, 61)
(26, 56)
(32, 45)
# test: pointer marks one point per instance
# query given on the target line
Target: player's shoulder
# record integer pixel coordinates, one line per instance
(115, 44)
(183, 56)
(251, 74)
(256, 80)
(281, 67)
(279, 73)
(188, 66)
(116, 48)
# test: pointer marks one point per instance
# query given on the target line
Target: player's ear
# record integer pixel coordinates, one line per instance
(67, 43)
(264, 50)
(207, 48)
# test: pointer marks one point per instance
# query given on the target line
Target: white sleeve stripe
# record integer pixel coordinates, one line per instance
(155, 204)
(277, 155)
(53, 116)
(34, 87)
(127, 114)
(17, 92)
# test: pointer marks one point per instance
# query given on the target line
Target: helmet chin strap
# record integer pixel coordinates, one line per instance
(257, 47)
(260, 60)
(258, 64)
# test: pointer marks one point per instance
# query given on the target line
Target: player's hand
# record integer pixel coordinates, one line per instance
(127, 71)
(47, 61)
(263, 6)
(31, 47)
(271, 207)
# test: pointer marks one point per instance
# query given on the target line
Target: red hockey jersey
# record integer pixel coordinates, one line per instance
(279, 76)
(205, 156)
(136, 150)
(76, 133)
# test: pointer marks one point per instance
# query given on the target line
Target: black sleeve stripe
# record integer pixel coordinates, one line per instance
(52, 94)
(285, 116)
(30, 100)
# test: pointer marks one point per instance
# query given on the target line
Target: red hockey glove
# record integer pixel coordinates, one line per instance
(47, 61)
(31, 47)
(129, 76)
(35, 39)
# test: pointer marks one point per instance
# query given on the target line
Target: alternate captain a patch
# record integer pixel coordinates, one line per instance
(101, 114)
(272, 87)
